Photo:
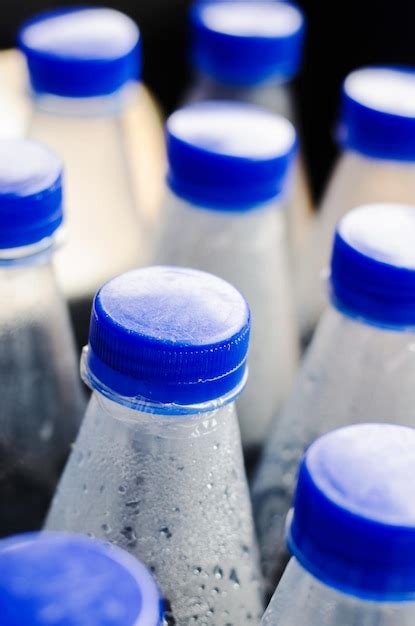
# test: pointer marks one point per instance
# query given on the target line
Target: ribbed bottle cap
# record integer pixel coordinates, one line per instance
(68, 580)
(353, 525)
(30, 193)
(378, 113)
(81, 52)
(168, 335)
(229, 156)
(373, 265)
(247, 42)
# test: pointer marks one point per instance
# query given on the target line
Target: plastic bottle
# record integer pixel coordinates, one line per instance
(352, 533)
(360, 365)
(41, 398)
(69, 580)
(158, 467)
(83, 65)
(376, 133)
(250, 51)
(228, 170)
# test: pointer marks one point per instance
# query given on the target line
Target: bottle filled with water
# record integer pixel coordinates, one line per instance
(158, 467)
(83, 65)
(228, 170)
(360, 365)
(70, 580)
(377, 135)
(41, 398)
(250, 51)
(352, 533)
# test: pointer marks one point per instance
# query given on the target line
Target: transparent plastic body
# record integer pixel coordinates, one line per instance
(277, 98)
(302, 599)
(104, 230)
(170, 489)
(353, 373)
(248, 249)
(42, 401)
(356, 180)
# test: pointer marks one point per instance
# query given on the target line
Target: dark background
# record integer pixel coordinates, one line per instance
(342, 35)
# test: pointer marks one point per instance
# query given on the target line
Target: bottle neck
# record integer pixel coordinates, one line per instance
(100, 106)
(362, 319)
(39, 253)
(274, 95)
(313, 597)
(177, 203)
(140, 404)
(162, 423)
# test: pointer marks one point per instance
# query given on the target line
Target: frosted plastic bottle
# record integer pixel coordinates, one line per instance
(83, 64)
(360, 365)
(69, 580)
(158, 467)
(228, 170)
(352, 533)
(41, 398)
(377, 135)
(250, 51)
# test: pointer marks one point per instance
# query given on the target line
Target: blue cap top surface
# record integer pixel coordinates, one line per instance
(378, 113)
(69, 580)
(169, 335)
(229, 156)
(247, 42)
(81, 51)
(30, 193)
(353, 524)
(373, 265)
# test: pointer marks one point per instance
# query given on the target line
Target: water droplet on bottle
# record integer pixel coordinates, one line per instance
(129, 534)
(233, 577)
(218, 572)
(46, 431)
(164, 532)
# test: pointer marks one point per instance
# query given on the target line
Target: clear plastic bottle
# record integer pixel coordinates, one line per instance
(69, 580)
(360, 365)
(83, 64)
(228, 170)
(377, 135)
(158, 466)
(352, 533)
(41, 398)
(249, 51)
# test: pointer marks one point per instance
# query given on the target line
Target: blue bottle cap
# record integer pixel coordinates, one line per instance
(30, 193)
(81, 52)
(353, 524)
(378, 113)
(373, 265)
(169, 336)
(247, 42)
(69, 580)
(229, 156)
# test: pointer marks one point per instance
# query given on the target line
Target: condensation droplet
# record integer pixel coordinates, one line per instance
(46, 431)
(165, 532)
(233, 577)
